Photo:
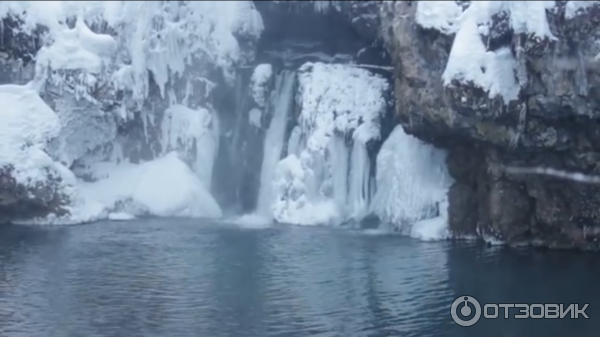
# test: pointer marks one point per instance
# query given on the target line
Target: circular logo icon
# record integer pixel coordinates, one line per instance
(465, 310)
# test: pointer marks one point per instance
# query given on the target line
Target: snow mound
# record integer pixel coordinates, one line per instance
(162, 187)
(77, 49)
(412, 183)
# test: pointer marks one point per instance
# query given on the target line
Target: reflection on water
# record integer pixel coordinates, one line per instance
(187, 278)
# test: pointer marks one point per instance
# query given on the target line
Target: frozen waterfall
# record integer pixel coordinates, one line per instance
(325, 177)
(282, 101)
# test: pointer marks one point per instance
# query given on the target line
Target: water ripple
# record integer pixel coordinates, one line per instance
(187, 278)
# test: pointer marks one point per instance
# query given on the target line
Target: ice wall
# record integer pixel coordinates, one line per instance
(412, 183)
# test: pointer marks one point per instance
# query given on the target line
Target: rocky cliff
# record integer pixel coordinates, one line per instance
(533, 103)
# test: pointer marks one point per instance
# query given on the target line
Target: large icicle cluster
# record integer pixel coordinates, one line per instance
(96, 51)
(412, 182)
(326, 175)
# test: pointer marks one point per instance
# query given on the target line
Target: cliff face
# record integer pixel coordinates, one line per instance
(546, 117)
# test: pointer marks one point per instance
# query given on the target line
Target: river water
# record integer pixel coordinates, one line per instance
(176, 278)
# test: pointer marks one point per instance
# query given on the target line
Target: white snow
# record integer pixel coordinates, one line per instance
(28, 124)
(162, 187)
(470, 61)
(336, 98)
(162, 37)
(439, 15)
(412, 183)
(259, 83)
(77, 48)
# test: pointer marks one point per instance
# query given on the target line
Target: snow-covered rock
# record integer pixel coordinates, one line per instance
(163, 187)
(31, 182)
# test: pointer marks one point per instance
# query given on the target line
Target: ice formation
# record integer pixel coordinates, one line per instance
(412, 182)
(259, 83)
(194, 135)
(325, 177)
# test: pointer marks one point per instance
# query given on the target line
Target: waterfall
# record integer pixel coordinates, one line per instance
(281, 102)
(326, 176)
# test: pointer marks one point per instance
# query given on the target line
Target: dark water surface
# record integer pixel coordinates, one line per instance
(176, 278)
